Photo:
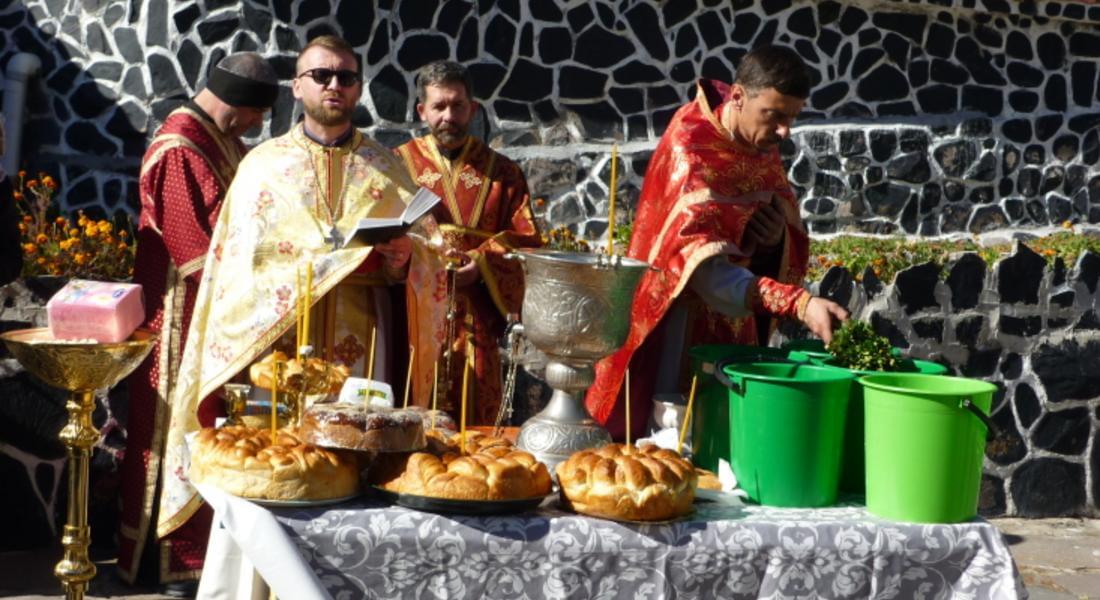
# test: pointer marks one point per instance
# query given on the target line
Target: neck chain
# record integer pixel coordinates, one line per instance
(334, 210)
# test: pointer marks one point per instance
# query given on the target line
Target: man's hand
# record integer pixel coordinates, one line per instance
(396, 254)
(766, 227)
(467, 273)
(819, 316)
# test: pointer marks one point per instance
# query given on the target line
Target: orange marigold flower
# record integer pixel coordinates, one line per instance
(91, 231)
(122, 246)
(122, 234)
(49, 182)
(41, 238)
(32, 183)
(104, 226)
(30, 248)
(18, 196)
(82, 221)
(61, 221)
(28, 219)
(80, 258)
(41, 260)
(23, 228)
(22, 174)
(74, 232)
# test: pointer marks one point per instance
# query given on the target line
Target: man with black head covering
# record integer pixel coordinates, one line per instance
(184, 176)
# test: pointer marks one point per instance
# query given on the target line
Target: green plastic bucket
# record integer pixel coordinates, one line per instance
(925, 437)
(710, 440)
(851, 464)
(813, 348)
(787, 430)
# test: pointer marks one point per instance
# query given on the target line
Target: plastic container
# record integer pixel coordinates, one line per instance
(925, 438)
(710, 423)
(787, 430)
(851, 464)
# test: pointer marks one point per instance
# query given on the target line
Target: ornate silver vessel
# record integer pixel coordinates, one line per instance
(576, 310)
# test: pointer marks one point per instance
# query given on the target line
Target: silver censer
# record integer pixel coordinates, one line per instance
(576, 310)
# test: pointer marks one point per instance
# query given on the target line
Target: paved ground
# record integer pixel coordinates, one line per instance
(1059, 559)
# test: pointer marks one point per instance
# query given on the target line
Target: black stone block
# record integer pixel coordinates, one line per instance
(581, 84)
(886, 199)
(1027, 182)
(897, 49)
(1052, 179)
(883, 144)
(1023, 101)
(989, 100)
(628, 100)
(1088, 270)
(1069, 370)
(802, 171)
(599, 48)
(1024, 75)
(1017, 130)
(872, 285)
(1065, 148)
(930, 197)
(883, 83)
(1018, 45)
(500, 36)
(938, 99)
(91, 99)
(528, 82)
(422, 48)
(884, 327)
(1008, 446)
(874, 174)
(918, 73)
(978, 62)
(896, 109)
(1010, 159)
(1019, 276)
(837, 285)
(852, 142)
(84, 136)
(929, 328)
(556, 45)
(1083, 78)
(1063, 431)
(390, 93)
(991, 496)
(1048, 487)
(186, 17)
(190, 59)
(163, 75)
(1090, 151)
(828, 163)
(825, 97)
(966, 281)
(916, 287)
(981, 363)
(599, 119)
(955, 217)
(646, 25)
(911, 167)
(1085, 122)
(308, 10)
(955, 158)
(1051, 49)
(852, 20)
(1021, 326)
(1054, 94)
(981, 195)
(714, 68)
(1083, 43)
(1027, 404)
(1014, 207)
(865, 59)
(687, 40)
(416, 15)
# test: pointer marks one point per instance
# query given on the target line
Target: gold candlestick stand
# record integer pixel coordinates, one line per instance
(80, 368)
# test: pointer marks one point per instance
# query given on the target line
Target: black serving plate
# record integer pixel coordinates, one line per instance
(450, 506)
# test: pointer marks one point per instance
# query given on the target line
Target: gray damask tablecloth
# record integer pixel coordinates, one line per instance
(366, 549)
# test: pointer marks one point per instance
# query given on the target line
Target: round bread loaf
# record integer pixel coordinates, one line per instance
(243, 461)
(389, 466)
(435, 419)
(356, 426)
(629, 483)
(497, 473)
(708, 480)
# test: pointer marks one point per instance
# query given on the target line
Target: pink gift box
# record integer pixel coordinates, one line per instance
(95, 310)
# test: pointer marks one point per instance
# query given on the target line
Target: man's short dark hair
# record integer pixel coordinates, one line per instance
(777, 67)
(333, 43)
(443, 72)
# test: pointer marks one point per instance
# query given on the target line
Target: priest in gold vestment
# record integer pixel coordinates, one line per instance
(292, 201)
(484, 214)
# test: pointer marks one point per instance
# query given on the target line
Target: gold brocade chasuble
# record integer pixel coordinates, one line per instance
(279, 213)
(485, 213)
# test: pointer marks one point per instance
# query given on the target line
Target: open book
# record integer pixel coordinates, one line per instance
(375, 230)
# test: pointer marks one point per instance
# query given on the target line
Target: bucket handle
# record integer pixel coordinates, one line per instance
(991, 430)
(720, 375)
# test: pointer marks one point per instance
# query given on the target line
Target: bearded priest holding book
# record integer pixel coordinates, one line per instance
(485, 213)
(294, 200)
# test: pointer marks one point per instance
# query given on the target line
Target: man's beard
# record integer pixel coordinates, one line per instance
(450, 134)
(328, 116)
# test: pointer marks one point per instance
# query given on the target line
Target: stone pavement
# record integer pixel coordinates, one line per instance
(1059, 559)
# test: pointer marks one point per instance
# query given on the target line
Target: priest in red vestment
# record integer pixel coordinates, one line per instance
(485, 213)
(184, 176)
(720, 222)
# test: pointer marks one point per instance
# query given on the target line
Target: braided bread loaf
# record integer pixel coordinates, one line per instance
(243, 461)
(631, 483)
(494, 473)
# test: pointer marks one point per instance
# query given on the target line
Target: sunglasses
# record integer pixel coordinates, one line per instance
(344, 77)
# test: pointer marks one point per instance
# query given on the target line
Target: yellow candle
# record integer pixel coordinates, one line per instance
(298, 313)
(409, 374)
(435, 391)
(308, 307)
(687, 415)
(465, 387)
(628, 407)
(274, 400)
(370, 361)
(611, 200)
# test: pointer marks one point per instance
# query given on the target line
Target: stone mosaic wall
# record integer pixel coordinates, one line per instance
(1028, 328)
(929, 117)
